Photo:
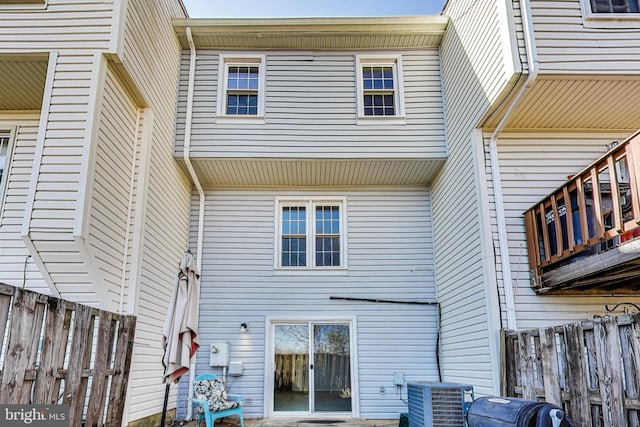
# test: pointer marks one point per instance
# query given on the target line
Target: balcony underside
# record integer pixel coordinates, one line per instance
(614, 271)
(576, 102)
(255, 172)
(22, 79)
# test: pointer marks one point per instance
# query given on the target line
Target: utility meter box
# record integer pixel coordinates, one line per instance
(219, 354)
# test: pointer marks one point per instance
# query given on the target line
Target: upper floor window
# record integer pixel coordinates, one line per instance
(379, 87)
(615, 6)
(311, 234)
(241, 87)
(611, 14)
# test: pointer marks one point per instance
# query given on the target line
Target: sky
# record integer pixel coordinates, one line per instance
(309, 8)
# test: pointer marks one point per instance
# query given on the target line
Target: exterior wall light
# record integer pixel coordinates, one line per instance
(244, 327)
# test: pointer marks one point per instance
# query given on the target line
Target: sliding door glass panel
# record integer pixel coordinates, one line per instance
(291, 380)
(331, 368)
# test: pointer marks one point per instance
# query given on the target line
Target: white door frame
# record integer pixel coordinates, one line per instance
(269, 366)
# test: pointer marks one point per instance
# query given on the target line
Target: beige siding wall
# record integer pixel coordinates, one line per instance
(63, 25)
(81, 126)
(17, 268)
(112, 173)
(476, 67)
(532, 166)
(150, 48)
(310, 110)
(566, 46)
(59, 163)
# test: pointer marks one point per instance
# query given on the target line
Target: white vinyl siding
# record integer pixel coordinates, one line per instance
(311, 111)
(16, 267)
(476, 68)
(532, 166)
(566, 44)
(238, 285)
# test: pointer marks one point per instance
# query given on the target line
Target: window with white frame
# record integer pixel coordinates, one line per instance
(611, 13)
(311, 234)
(241, 86)
(379, 86)
(615, 6)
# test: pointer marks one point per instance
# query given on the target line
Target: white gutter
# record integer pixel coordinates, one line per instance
(196, 182)
(503, 238)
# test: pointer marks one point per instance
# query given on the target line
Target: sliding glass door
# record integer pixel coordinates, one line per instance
(312, 367)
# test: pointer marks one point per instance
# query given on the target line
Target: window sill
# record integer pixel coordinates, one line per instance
(307, 271)
(23, 5)
(381, 120)
(240, 119)
(611, 21)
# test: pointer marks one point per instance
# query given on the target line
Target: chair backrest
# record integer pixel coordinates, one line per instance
(207, 376)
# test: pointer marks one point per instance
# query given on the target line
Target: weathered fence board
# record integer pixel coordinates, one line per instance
(609, 372)
(590, 368)
(120, 377)
(43, 333)
(549, 353)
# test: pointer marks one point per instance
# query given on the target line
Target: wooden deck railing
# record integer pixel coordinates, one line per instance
(63, 353)
(598, 205)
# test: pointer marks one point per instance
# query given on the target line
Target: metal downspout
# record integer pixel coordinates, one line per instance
(503, 238)
(196, 182)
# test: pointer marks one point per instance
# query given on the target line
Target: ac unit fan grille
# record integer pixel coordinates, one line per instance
(446, 404)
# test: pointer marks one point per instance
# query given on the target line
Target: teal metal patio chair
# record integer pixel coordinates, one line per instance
(213, 401)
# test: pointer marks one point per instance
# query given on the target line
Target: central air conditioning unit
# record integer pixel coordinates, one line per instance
(434, 404)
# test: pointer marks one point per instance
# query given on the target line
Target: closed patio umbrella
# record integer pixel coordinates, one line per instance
(180, 330)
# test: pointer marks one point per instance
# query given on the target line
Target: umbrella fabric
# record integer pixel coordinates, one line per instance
(180, 331)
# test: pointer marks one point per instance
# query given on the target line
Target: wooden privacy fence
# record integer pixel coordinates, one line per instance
(59, 352)
(590, 368)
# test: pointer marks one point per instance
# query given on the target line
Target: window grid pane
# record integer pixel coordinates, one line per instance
(327, 236)
(294, 241)
(379, 90)
(614, 6)
(240, 104)
(242, 90)
(243, 78)
(377, 77)
(378, 105)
